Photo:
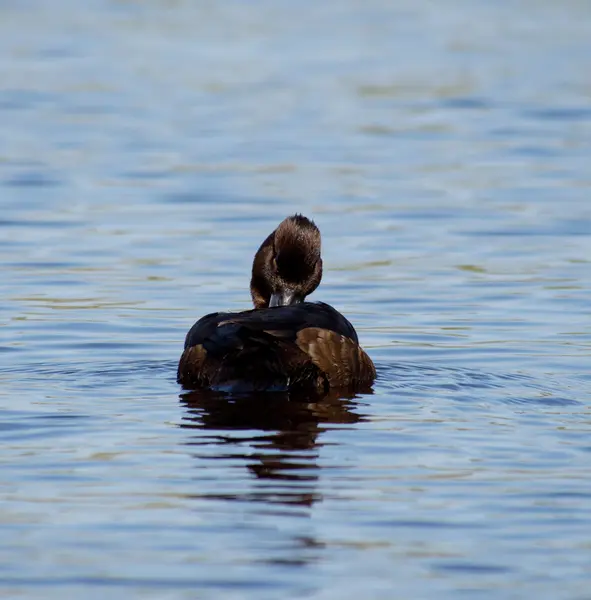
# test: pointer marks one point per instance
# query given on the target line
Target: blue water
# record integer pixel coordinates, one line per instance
(146, 151)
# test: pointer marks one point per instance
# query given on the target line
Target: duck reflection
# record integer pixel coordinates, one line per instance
(277, 437)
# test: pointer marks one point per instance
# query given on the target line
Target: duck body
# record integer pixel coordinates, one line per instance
(284, 343)
(307, 346)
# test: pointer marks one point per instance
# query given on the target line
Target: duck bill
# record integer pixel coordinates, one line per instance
(284, 298)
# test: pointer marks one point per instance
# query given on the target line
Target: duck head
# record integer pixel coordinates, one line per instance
(287, 267)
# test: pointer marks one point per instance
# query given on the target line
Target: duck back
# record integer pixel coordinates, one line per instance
(306, 346)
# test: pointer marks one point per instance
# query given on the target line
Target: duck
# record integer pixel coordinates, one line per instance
(284, 343)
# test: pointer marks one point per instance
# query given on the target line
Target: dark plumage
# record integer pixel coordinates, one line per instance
(284, 343)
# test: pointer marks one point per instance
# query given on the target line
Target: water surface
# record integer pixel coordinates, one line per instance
(147, 150)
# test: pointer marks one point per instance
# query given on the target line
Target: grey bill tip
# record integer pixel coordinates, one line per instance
(284, 298)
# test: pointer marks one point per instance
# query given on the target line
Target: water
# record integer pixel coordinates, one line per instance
(147, 149)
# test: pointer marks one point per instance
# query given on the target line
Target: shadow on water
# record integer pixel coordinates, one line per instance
(275, 436)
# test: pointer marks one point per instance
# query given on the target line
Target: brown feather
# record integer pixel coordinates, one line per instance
(342, 360)
(194, 361)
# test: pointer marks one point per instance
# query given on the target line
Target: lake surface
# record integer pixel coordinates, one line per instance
(443, 149)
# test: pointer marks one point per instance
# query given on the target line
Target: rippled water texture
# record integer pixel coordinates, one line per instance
(443, 148)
